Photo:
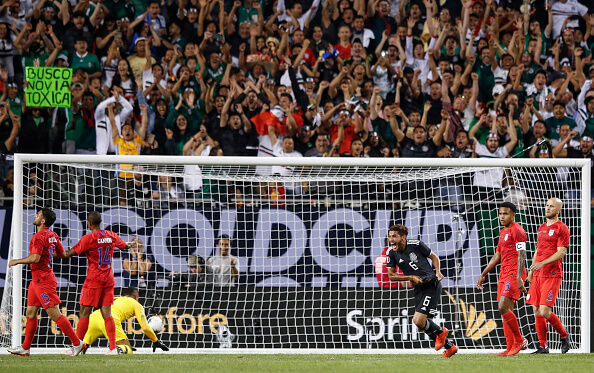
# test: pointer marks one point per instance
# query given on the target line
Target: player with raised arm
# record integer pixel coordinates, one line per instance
(546, 274)
(122, 309)
(45, 244)
(511, 253)
(98, 289)
(411, 257)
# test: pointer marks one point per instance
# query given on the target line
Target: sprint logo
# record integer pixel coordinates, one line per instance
(476, 324)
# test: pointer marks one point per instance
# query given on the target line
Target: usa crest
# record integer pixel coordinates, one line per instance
(551, 232)
(506, 236)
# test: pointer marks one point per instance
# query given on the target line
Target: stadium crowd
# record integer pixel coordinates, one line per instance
(361, 78)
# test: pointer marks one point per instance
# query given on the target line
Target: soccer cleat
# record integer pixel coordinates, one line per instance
(112, 352)
(19, 351)
(565, 345)
(81, 348)
(450, 352)
(441, 339)
(541, 350)
(517, 348)
(504, 353)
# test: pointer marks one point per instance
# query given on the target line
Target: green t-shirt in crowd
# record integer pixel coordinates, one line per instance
(89, 62)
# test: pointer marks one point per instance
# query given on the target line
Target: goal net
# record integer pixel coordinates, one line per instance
(304, 268)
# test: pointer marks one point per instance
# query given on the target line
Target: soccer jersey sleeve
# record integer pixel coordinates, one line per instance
(81, 246)
(141, 317)
(118, 242)
(520, 238)
(563, 239)
(424, 249)
(390, 259)
(58, 247)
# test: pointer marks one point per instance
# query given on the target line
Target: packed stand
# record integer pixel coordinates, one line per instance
(306, 78)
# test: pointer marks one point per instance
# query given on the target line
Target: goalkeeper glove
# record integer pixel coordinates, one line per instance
(161, 345)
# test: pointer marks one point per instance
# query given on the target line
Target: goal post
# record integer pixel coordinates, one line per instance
(307, 235)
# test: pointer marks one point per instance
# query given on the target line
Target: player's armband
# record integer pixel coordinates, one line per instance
(521, 246)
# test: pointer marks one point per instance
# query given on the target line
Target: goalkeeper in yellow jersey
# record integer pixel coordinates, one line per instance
(122, 309)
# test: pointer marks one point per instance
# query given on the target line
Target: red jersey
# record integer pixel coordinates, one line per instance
(349, 136)
(511, 240)
(549, 238)
(99, 247)
(381, 272)
(44, 243)
(344, 52)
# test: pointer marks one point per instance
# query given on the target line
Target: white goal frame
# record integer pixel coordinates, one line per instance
(17, 217)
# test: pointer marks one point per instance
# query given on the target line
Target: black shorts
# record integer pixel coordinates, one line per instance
(427, 298)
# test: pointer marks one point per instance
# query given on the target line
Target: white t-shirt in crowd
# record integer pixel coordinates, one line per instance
(192, 173)
(563, 10)
(492, 177)
(220, 267)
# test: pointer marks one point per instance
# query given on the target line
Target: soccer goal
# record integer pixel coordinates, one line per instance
(305, 271)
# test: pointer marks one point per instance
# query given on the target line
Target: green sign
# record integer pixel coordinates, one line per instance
(48, 86)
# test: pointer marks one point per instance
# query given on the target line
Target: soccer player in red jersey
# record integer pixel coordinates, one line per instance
(546, 273)
(42, 289)
(511, 252)
(381, 273)
(97, 291)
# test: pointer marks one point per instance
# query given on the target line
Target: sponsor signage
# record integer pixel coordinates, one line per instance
(302, 318)
(288, 246)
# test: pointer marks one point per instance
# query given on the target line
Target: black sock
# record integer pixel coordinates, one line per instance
(432, 329)
(448, 344)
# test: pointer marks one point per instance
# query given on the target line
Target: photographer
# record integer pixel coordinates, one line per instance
(137, 266)
(195, 275)
(224, 267)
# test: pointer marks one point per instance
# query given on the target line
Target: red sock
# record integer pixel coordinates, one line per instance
(66, 328)
(110, 329)
(512, 321)
(541, 330)
(81, 328)
(509, 337)
(30, 330)
(557, 325)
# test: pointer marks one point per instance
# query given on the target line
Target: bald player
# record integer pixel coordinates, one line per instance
(546, 273)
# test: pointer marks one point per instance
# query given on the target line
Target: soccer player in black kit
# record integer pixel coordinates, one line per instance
(411, 257)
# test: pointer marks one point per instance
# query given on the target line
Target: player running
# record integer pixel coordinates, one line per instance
(546, 273)
(97, 291)
(42, 288)
(122, 309)
(411, 257)
(511, 252)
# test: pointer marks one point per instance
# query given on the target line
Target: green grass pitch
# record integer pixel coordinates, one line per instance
(163, 363)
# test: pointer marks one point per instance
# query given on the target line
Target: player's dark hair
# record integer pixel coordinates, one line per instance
(129, 291)
(510, 206)
(94, 218)
(49, 215)
(400, 229)
(223, 237)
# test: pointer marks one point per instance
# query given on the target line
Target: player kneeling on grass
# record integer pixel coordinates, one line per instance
(122, 309)
(411, 257)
